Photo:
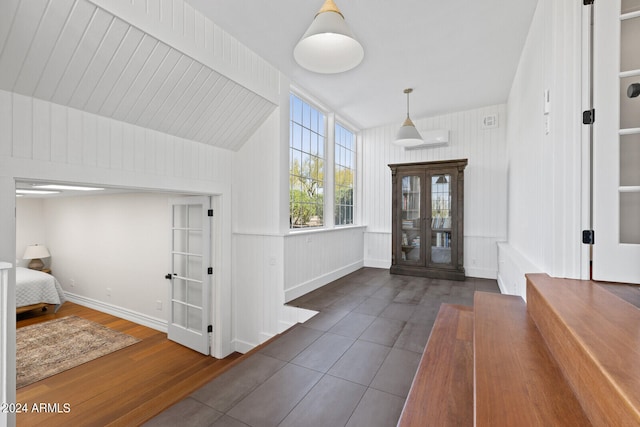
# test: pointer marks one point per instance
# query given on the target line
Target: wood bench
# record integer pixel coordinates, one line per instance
(441, 394)
(517, 381)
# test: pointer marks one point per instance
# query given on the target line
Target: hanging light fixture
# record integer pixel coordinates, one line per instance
(408, 134)
(328, 46)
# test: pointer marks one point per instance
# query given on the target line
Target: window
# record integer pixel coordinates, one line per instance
(345, 166)
(314, 180)
(306, 164)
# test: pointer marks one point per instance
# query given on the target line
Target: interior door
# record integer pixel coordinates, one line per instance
(190, 289)
(616, 130)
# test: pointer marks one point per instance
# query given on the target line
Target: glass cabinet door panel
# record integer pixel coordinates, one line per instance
(410, 217)
(441, 226)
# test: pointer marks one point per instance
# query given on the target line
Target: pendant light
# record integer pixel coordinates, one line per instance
(408, 134)
(328, 46)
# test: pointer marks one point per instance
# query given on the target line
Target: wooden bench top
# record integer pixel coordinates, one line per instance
(442, 391)
(517, 382)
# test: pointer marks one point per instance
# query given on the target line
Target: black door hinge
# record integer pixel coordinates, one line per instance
(210, 270)
(210, 212)
(587, 2)
(588, 117)
(588, 237)
(210, 328)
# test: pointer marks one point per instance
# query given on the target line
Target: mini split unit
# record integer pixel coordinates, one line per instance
(431, 138)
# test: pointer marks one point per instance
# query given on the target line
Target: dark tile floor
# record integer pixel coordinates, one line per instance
(350, 365)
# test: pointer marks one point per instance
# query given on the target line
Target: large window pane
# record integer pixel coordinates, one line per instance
(344, 175)
(306, 168)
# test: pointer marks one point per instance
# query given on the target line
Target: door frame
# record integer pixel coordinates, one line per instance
(15, 170)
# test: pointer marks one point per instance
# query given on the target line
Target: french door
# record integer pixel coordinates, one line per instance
(190, 289)
(616, 130)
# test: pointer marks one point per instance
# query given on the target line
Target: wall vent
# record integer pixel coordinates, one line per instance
(490, 121)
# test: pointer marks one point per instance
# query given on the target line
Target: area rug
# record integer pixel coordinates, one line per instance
(51, 347)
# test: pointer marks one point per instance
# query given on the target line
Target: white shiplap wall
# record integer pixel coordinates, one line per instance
(485, 221)
(548, 170)
(36, 130)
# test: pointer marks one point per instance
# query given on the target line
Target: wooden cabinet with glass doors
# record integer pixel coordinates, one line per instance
(428, 212)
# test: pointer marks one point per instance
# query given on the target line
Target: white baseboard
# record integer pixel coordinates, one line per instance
(242, 346)
(377, 263)
(124, 313)
(313, 284)
(483, 273)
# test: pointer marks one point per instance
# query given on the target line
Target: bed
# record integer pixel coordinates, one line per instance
(36, 289)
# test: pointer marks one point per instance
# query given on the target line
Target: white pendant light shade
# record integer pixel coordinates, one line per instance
(408, 134)
(328, 46)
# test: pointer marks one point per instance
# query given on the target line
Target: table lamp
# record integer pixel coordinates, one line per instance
(35, 253)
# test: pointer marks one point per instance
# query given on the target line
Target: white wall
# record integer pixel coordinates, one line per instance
(485, 184)
(30, 228)
(547, 200)
(115, 242)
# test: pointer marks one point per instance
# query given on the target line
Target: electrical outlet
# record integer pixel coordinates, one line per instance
(158, 305)
(72, 283)
(108, 292)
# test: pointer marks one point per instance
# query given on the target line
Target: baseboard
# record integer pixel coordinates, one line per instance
(503, 288)
(483, 273)
(311, 285)
(242, 346)
(377, 263)
(124, 313)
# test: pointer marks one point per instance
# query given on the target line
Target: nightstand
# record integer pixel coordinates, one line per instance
(46, 270)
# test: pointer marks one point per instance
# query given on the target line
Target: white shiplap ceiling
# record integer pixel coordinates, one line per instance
(73, 53)
(456, 54)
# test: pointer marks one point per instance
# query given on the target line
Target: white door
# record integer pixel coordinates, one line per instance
(616, 171)
(190, 289)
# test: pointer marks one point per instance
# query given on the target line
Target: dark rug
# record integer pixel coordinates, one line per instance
(51, 347)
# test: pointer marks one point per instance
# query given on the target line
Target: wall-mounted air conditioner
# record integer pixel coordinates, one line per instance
(431, 138)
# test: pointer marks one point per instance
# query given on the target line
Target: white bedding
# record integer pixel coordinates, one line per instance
(35, 287)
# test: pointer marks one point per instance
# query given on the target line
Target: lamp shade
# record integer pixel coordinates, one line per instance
(36, 251)
(328, 46)
(408, 134)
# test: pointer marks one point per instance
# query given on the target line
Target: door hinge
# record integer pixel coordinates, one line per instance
(588, 117)
(210, 212)
(588, 237)
(587, 2)
(210, 328)
(210, 270)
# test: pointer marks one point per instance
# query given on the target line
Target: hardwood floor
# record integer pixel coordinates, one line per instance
(124, 388)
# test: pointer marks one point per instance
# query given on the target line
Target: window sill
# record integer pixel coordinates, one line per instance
(295, 232)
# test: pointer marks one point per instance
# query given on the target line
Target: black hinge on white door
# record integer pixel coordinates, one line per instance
(210, 270)
(588, 117)
(587, 2)
(210, 212)
(588, 237)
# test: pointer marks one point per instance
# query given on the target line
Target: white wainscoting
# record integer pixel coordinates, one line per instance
(258, 292)
(377, 246)
(485, 205)
(315, 258)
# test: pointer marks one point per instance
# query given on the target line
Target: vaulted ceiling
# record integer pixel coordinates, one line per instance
(87, 54)
(456, 54)
(76, 54)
